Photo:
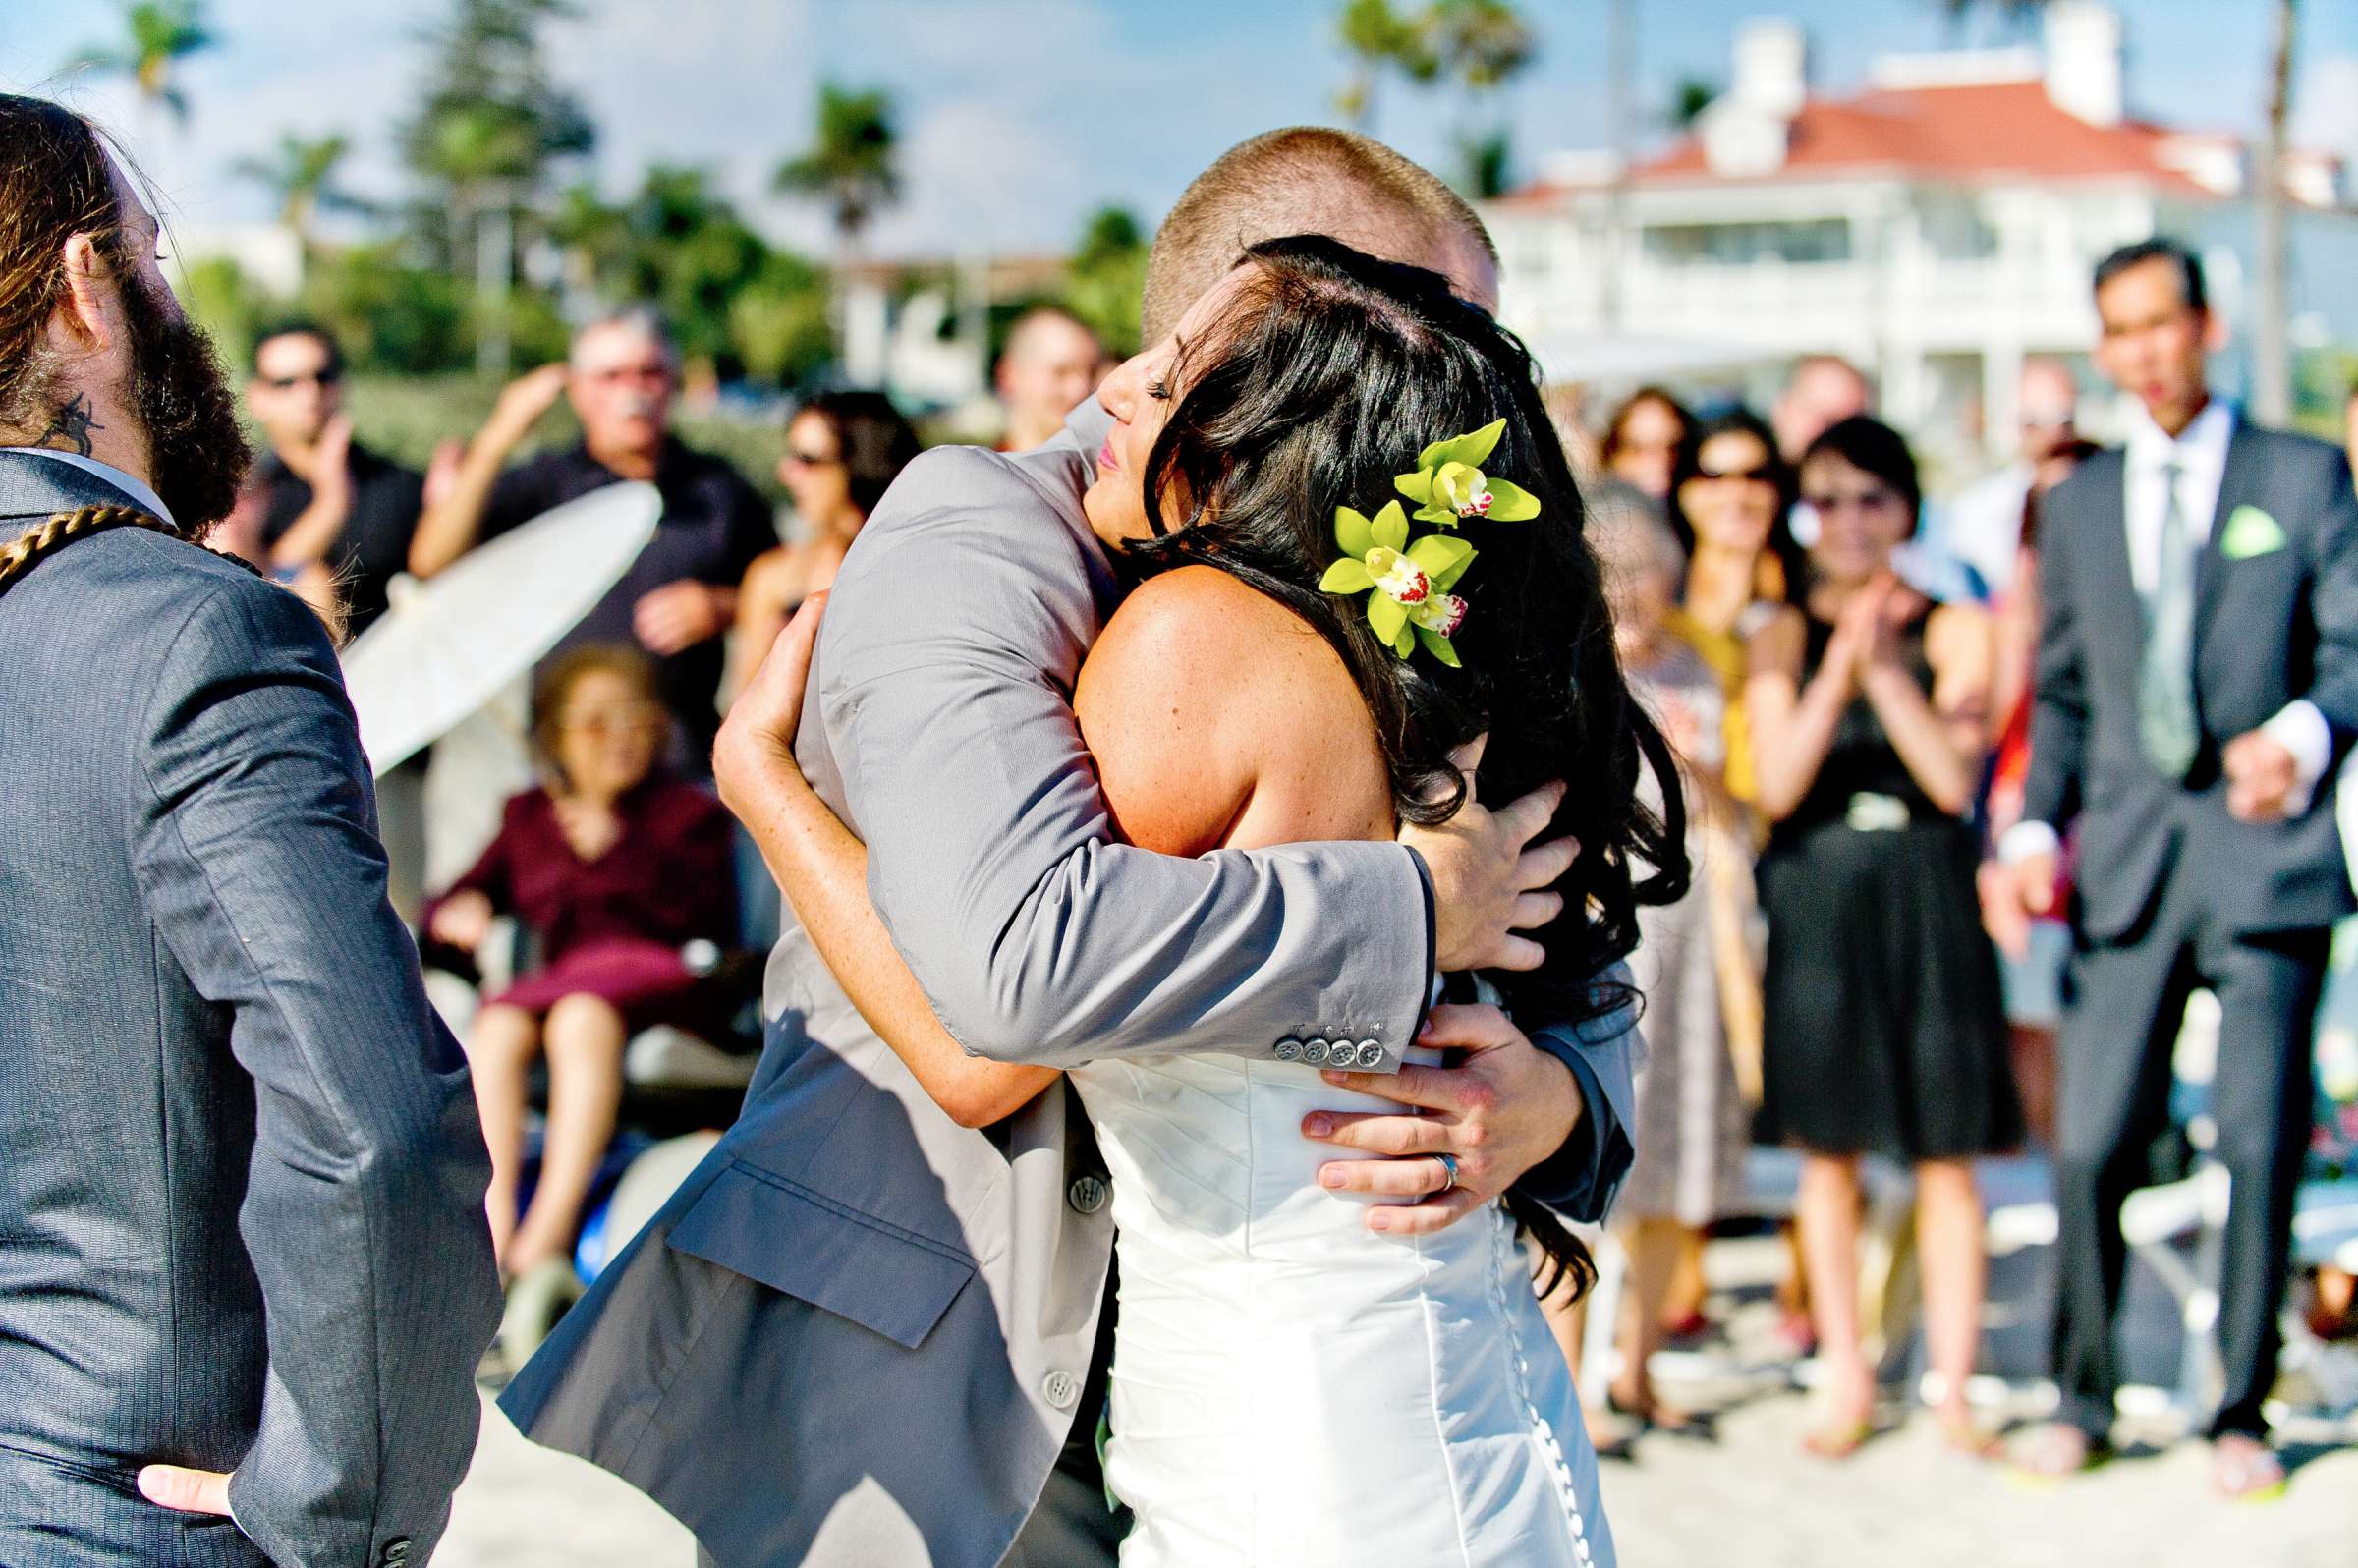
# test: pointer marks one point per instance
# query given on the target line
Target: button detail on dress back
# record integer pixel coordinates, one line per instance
(1060, 1389)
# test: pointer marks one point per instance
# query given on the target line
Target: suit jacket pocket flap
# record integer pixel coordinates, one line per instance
(815, 1250)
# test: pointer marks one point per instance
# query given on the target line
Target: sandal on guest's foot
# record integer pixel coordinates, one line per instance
(1965, 1436)
(2245, 1470)
(1653, 1415)
(1839, 1440)
(2053, 1454)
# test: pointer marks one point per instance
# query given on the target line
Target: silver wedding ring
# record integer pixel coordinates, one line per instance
(1448, 1173)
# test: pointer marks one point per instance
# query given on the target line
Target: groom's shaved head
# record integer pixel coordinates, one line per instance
(1312, 180)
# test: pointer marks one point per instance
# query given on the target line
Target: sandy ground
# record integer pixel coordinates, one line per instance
(1751, 1499)
(1754, 1500)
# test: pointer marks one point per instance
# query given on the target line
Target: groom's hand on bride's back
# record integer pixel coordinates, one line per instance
(1488, 879)
(1506, 1106)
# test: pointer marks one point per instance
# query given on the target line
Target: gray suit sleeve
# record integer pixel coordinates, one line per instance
(946, 665)
(2333, 599)
(363, 1209)
(1581, 1179)
(2051, 791)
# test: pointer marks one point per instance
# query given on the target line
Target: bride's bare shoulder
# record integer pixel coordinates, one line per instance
(1204, 700)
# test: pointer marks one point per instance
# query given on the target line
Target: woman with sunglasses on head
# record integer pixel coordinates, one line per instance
(1870, 709)
(843, 451)
(614, 870)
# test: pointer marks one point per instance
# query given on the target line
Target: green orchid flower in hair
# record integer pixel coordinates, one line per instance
(1409, 602)
(1450, 486)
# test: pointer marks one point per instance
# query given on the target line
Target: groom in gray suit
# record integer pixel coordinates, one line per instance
(2197, 686)
(245, 1274)
(869, 1333)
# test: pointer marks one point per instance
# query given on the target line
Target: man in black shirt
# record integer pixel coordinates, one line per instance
(680, 596)
(326, 498)
(332, 505)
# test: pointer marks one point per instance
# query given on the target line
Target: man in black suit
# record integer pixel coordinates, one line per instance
(2197, 681)
(245, 1273)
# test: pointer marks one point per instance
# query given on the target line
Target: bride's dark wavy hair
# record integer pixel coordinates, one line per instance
(1324, 379)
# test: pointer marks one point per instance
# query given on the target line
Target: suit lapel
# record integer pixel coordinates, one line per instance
(2111, 589)
(2238, 482)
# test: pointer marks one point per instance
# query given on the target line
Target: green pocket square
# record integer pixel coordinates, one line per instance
(2250, 531)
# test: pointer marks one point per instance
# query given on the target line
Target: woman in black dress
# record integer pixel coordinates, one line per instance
(1883, 1029)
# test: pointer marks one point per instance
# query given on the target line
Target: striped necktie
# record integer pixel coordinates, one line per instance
(2167, 721)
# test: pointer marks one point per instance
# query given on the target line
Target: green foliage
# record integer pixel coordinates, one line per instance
(731, 300)
(1689, 98)
(777, 322)
(1480, 44)
(1106, 279)
(1489, 162)
(157, 34)
(301, 175)
(1473, 47)
(220, 298)
(2324, 382)
(1376, 38)
(489, 111)
(851, 164)
(387, 313)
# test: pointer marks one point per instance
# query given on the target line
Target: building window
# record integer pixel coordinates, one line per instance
(1740, 243)
(1956, 230)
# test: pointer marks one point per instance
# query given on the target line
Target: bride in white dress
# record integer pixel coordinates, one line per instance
(1291, 1386)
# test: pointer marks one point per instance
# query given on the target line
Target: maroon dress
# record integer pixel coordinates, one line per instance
(613, 928)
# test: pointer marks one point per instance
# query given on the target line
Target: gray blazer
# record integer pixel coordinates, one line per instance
(2270, 628)
(240, 1179)
(859, 1333)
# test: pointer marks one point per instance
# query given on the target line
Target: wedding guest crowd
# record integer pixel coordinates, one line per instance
(1897, 708)
(679, 597)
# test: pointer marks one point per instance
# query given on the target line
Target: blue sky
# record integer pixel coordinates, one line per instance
(1019, 116)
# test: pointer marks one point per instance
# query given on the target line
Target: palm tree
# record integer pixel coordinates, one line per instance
(1480, 44)
(1376, 38)
(302, 174)
(158, 35)
(850, 165)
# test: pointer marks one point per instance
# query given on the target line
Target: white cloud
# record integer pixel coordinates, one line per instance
(2325, 106)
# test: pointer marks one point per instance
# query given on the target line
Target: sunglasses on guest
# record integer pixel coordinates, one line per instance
(326, 376)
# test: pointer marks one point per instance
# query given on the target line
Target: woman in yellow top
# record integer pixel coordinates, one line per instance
(1729, 496)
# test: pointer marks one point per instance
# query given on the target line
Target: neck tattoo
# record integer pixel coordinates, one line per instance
(72, 427)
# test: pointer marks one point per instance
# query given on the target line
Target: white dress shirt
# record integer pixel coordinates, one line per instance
(1981, 526)
(2200, 454)
(129, 484)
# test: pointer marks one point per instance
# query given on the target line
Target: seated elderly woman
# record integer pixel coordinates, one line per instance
(614, 870)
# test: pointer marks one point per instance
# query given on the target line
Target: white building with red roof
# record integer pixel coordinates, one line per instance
(1934, 226)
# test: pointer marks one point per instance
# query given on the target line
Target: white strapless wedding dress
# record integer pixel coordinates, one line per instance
(1293, 1390)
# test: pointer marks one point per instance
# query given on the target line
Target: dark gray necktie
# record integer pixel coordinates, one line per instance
(2165, 709)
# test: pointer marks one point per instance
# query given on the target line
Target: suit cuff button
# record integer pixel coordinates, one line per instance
(1289, 1049)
